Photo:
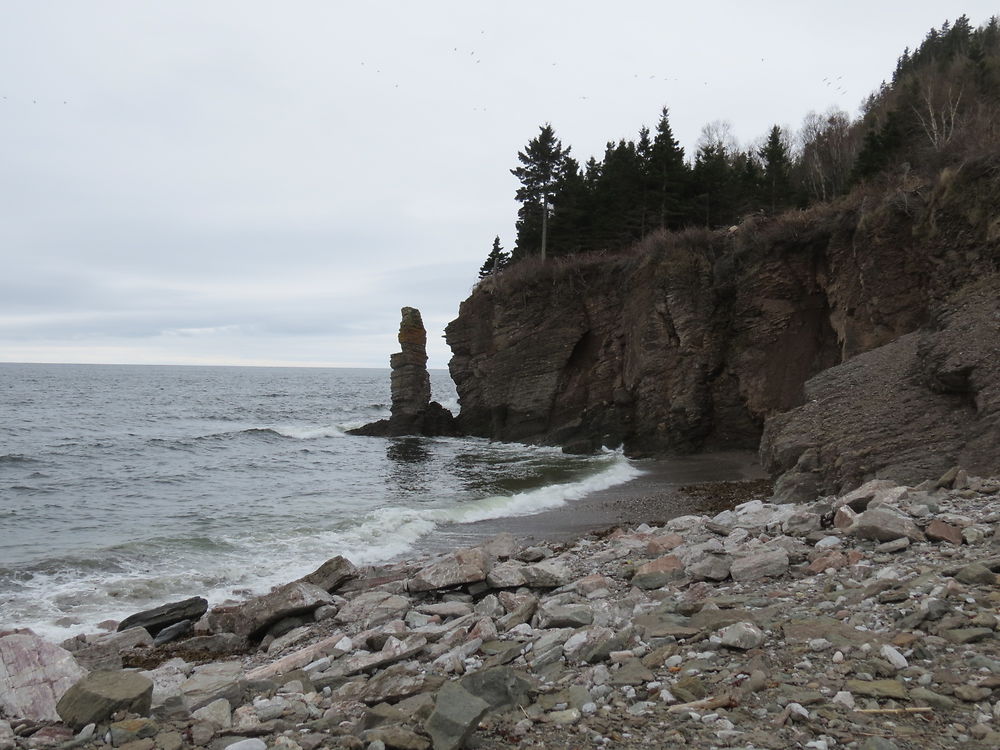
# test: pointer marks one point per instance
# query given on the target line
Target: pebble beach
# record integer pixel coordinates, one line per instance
(866, 621)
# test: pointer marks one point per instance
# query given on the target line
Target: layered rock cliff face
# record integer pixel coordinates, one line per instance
(695, 341)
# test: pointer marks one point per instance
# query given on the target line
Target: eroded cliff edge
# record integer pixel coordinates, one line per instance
(862, 338)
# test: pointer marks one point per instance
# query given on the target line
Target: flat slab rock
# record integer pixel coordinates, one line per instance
(155, 620)
(34, 675)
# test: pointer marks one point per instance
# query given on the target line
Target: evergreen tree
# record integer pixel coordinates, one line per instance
(776, 163)
(569, 224)
(540, 170)
(714, 187)
(617, 219)
(668, 175)
(495, 261)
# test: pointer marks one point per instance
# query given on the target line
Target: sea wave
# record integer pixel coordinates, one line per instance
(294, 432)
(544, 498)
(16, 458)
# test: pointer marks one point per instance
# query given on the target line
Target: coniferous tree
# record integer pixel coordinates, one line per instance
(540, 170)
(495, 261)
(668, 175)
(775, 180)
(617, 215)
(713, 187)
(569, 224)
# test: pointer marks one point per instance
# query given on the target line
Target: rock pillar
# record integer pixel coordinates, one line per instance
(413, 412)
(411, 385)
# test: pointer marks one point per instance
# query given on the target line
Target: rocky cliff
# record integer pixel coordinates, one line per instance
(706, 340)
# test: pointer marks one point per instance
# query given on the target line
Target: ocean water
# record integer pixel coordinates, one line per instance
(125, 487)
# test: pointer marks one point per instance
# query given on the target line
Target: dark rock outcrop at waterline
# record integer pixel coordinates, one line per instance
(413, 412)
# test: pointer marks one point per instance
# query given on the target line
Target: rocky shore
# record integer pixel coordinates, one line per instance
(867, 620)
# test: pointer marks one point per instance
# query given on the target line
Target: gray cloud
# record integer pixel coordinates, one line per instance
(248, 182)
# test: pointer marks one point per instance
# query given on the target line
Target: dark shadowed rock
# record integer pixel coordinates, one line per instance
(173, 632)
(413, 412)
(456, 714)
(155, 620)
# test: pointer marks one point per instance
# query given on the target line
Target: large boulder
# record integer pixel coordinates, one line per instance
(884, 525)
(464, 566)
(97, 696)
(456, 715)
(104, 651)
(251, 617)
(34, 675)
(155, 620)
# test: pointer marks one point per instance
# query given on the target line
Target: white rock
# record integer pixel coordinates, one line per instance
(893, 656)
(742, 635)
(819, 644)
(844, 698)
(251, 744)
(829, 542)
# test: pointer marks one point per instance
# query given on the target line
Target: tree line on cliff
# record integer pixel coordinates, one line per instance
(941, 105)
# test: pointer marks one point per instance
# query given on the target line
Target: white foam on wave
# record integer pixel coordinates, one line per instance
(308, 433)
(543, 498)
(253, 565)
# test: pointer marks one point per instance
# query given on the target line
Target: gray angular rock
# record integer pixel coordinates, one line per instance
(97, 696)
(654, 574)
(757, 565)
(708, 567)
(211, 682)
(509, 574)
(104, 651)
(252, 616)
(332, 574)
(155, 620)
(373, 608)
(558, 615)
(463, 566)
(884, 525)
(742, 635)
(456, 715)
(501, 687)
(549, 573)
(34, 675)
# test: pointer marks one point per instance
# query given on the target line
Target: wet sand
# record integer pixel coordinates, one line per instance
(667, 488)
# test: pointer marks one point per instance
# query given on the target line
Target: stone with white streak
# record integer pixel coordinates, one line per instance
(34, 675)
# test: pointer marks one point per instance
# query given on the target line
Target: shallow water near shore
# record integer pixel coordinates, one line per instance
(123, 487)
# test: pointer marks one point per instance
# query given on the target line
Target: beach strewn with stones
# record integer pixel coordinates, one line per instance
(867, 620)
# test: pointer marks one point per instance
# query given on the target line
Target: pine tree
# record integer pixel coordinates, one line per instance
(541, 164)
(714, 187)
(496, 261)
(776, 163)
(569, 224)
(668, 175)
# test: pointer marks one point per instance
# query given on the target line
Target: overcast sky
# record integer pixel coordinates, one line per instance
(244, 182)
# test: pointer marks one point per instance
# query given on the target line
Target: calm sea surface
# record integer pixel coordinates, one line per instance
(124, 487)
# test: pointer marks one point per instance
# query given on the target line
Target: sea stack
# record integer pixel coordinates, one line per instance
(413, 412)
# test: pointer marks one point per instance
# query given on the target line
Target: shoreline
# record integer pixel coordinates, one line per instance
(762, 626)
(664, 490)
